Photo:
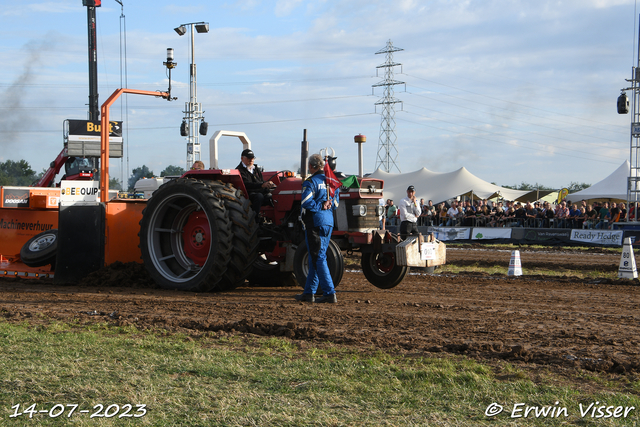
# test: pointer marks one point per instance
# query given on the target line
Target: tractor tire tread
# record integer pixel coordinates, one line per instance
(244, 247)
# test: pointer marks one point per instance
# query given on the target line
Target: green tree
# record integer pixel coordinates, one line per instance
(139, 173)
(16, 173)
(528, 187)
(172, 170)
(41, 174)
(114, 184)
(574, 186)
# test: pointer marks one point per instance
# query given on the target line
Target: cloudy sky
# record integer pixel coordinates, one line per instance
(513, 90)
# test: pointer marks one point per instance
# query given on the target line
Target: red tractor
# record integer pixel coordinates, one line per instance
(198, 232)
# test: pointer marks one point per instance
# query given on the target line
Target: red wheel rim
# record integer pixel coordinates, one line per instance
(197, 238)
(385, 262)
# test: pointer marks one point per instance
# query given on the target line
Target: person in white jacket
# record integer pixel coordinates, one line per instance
(409, 212)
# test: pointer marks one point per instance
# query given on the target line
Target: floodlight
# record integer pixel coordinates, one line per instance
(623, 103)
(202, 27)
(204, 127)
(181, 30)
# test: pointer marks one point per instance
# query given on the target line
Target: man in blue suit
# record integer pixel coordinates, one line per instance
(317, 217)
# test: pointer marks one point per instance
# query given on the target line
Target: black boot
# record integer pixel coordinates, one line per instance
(331, 299)
(305, 297)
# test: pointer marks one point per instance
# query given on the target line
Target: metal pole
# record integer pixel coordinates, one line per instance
(360, 167)
(304, 153)
(360, 139)
(193, 109)
(634, 166)
(634, 145)
(94, 108)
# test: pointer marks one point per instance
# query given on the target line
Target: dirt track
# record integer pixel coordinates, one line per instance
(557, 322)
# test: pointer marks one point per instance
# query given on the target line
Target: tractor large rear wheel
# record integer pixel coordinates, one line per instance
(244, 245)
(185, 236)
(381, 270)
(335, 262)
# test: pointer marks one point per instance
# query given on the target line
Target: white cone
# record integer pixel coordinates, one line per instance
(627, 269)
(515, 266)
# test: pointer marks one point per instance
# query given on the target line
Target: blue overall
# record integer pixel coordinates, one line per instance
(318, 227)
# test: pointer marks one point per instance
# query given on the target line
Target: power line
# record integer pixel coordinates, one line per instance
(215, 124)
(226, 104)
(497, 141)
(522, 130)
(515, 119)
(511, 102)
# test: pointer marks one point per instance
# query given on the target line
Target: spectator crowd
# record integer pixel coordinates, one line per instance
(484, 213)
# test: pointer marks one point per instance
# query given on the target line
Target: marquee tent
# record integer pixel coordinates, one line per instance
(441, 187)
(612, 187)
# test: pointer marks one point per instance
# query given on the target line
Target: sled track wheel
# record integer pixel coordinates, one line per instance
(381, 269)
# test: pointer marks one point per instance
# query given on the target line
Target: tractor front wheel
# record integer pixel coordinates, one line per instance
(381, 269)
(335, 262)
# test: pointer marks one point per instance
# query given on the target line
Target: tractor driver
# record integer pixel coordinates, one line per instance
(259, 190)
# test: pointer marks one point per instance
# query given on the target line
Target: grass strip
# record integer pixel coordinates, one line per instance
(268, 381)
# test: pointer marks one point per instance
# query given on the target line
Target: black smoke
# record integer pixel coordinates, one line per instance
(14, 117)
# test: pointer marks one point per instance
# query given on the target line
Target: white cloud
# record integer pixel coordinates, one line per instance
(601, 4)
(285, 7)
(21, 9)
(174, 9)
(490, 81)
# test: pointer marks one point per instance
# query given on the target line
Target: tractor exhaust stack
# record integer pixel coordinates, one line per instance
(304, 154)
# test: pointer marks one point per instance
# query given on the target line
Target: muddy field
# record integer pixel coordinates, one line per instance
(556, 322)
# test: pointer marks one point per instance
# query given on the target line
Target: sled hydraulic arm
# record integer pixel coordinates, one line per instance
(104, 133)
(53, 170)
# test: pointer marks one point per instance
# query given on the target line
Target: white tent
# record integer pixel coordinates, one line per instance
(612, 187)
(440, 187)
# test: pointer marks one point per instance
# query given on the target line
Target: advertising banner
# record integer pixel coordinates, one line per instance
(79, 192)
(486, 233)
(547, 236)
(13, 197)
(85, 130)
(83, 138)
(598, 237)
(634, 235)
(444, 234)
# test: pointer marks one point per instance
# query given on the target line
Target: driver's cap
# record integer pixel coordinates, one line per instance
(248, 154)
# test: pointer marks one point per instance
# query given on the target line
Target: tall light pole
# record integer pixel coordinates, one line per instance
(633, 181)
(193, 124)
